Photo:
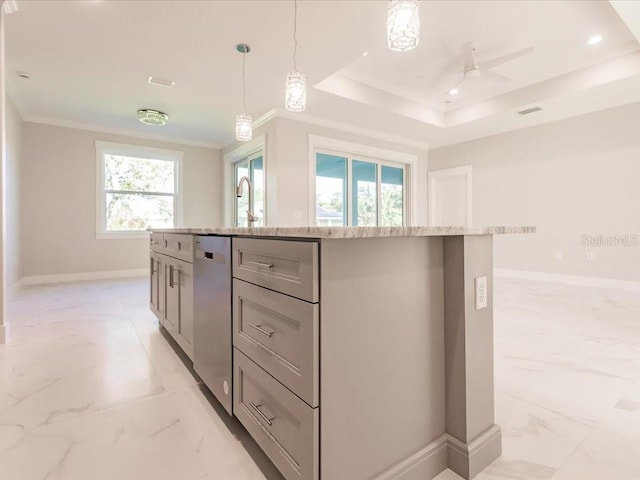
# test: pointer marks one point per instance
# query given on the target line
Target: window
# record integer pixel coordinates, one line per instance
(246, 160)
(252, 167)
(137, 188)
(359, 191)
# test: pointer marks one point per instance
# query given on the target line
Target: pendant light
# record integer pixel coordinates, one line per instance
(403, 25)
(296, 88)
(244, 127)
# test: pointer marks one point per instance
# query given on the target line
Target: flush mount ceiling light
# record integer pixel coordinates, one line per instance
(152, 117)
(594, 40)
(454, 91)
(296, 85)
(403, 25)
(244, 124)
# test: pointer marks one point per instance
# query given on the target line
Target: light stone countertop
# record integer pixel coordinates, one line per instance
(346, 232)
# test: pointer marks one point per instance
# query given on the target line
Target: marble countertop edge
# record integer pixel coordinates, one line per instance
(348, 232)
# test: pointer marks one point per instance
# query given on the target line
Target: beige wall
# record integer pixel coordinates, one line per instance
(13, 267)
(287, 168)
(572, 177)
(58, 210)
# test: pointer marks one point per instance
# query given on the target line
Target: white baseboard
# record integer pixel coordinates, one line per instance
(568, 279)
(13, 289)
(426, 463)
(83, 276)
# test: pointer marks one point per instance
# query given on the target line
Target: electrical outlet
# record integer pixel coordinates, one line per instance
(590, 256)
(481, 293)
(558, 254)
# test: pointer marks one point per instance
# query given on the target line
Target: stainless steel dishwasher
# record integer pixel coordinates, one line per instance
(212, 316)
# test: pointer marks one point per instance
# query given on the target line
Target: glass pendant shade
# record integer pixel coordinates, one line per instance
(244, 127)
(296, 92)
(403, 25)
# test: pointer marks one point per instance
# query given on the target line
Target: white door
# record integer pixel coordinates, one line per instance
(450, 197)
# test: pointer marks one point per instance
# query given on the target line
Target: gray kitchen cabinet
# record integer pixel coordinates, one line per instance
(353, 358)
(280, 333)
(276, 350)
(285, 427)
(171, 285)
(156, 275)
(178, 316)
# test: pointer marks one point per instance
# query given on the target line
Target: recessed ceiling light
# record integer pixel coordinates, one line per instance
(454, 91)
(23, 74)
(152, 117)
(365, 54)
(161, 82)
(594, 40)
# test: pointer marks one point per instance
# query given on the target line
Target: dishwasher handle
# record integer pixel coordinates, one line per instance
(214, 257)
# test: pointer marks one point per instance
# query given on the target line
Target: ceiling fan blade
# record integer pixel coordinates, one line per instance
(457, 84)
(495, 76)
(451, 69)
(494, 62)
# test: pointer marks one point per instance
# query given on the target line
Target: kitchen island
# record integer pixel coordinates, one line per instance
(358, 352)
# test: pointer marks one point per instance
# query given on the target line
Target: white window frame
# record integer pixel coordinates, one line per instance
(110, 148)
(379, 156)
(252, 148)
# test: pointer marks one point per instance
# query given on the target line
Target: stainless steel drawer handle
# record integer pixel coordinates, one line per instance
(262, 330)
(261, 265)
(172, 271)
(155, 243)
(266, 418)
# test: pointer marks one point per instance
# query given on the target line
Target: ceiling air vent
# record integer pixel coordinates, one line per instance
(529, 110)
(161, 82)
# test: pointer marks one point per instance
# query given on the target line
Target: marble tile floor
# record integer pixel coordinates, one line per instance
(90, 389)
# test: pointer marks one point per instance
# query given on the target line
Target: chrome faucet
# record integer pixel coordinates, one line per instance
(251, 218)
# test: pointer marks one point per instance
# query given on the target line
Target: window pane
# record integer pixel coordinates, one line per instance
(392, 196)
(331, 190)
(138, 174)
(131, 211)
(242, 203)
(364, 191)
(257, 178)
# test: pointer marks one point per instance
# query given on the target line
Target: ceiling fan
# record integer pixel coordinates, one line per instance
(475, 69)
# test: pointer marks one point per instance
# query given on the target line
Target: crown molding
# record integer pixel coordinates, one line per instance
(349, 128)
(280, 112)
(118, 131)
(271, 114)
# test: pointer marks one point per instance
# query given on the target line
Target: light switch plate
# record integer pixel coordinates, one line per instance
(481, 292)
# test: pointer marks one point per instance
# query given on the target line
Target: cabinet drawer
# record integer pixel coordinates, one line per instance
(156, 242)
(289, 267)
(179, 246)
(280, 333)
(284, 426)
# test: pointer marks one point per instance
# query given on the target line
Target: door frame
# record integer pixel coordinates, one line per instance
(434, 176)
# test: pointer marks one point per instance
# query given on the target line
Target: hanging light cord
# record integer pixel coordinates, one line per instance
(295, 31)
(244, 87)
